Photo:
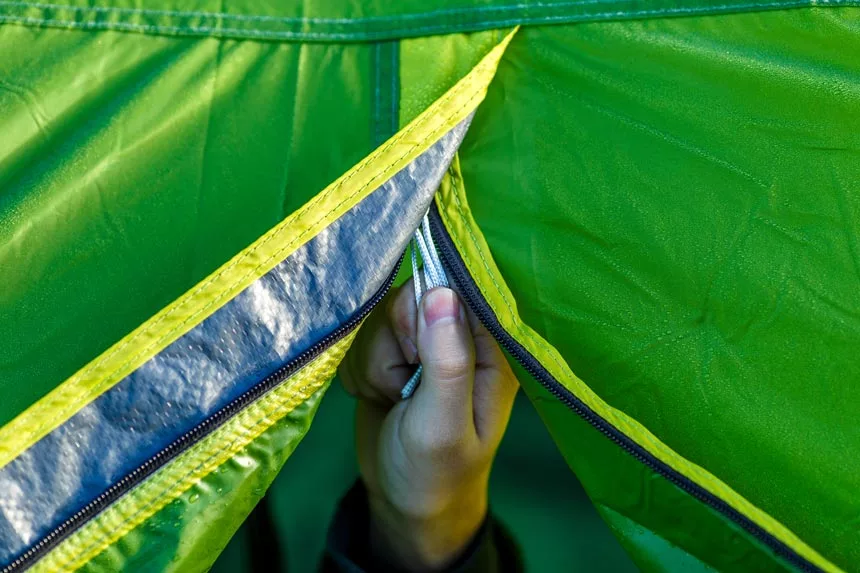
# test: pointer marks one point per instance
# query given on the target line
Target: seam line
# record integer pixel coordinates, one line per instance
(394, 32)
(302, 19)
(691, 470)
(267, 419)
(395, 84)
(377, 74)
(71, 401)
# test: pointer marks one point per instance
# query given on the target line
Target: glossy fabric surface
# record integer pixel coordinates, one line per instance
(354, 20)
(190, 533)
(119, 191)
(241, 454)
(650, 516)
(288, 310)
(687, 239)
(640, 498)
(670, 200)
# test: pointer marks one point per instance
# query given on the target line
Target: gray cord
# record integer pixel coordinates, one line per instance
(433, 276)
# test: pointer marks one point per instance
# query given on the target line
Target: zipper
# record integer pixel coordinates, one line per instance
(203, 429)
(472, 297)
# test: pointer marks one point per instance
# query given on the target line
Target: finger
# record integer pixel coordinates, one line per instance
(375, 368)
(369, 418)
(403, 318)
(495, 390)
(350, 373)
(344, 374)
(495, 385)
(385, 370)
(352, 367)
(443, 401)
(487, 350)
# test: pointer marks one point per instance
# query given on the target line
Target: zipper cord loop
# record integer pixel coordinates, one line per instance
(433, 276)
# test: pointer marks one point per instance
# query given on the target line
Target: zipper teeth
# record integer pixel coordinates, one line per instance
(204, 428)
(476, 302)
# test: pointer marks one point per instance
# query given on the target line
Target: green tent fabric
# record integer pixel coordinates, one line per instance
(654, 208)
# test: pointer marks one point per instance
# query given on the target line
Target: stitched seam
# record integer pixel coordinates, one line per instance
(518, 323)
(384, 72)
(439, 27)
(268, 416)
(290, 404)
(277, 253)
(544, 345)
(511, 312)
(343, 21)
(96, 390)
(395, 84)
(377, 72)
(460, 210)
(300, 19)
(719, 489)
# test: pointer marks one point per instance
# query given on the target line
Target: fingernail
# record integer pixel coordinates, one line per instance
(409, 349)
(441, 304)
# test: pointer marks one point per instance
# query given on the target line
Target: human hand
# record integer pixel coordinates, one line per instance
(426, 461)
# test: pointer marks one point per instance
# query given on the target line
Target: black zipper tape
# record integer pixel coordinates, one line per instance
(193, 436)
(473, 298)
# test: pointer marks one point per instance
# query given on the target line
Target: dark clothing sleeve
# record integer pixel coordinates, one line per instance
(348, 544)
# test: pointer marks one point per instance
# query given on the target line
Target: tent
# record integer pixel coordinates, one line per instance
(651, 204)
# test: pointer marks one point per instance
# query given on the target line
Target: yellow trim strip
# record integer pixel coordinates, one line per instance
(475, 252)
(201, 301)
(182, 473)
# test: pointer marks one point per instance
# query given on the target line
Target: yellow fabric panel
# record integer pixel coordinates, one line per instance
(249, 265)
(179, 475)
(475, 252)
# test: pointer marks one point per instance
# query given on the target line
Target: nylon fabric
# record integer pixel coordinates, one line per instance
(669, 201)
(333, 21)
(121, 191)
(429, 66)
(299, 302)
(645, 511)
(654, 552)
(702, 201)
(386, 90)
(247, 266)
(243, 456)
(414, 172)
(476, 255)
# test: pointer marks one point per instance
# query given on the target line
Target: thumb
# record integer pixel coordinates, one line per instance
(443, 401)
